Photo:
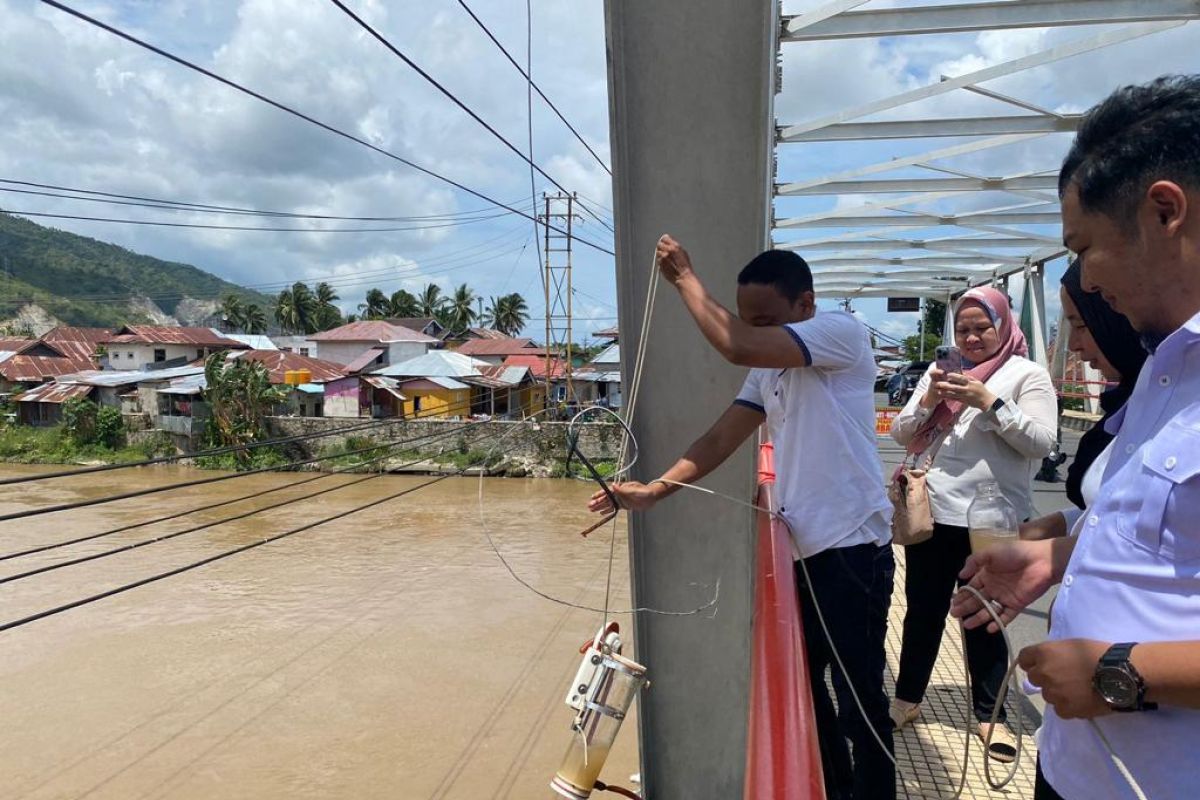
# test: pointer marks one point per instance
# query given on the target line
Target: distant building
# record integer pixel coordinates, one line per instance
(136, 347)
(599, 382)
(426, 325)
(494, 350)
(346, 344)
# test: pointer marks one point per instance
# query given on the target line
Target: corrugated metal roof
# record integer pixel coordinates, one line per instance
(597, 376)
(365, 360)
(537, 365)
(387, 384)
(111, 378)
(607, 333)
(499, 347)
(22, 368)
(419, 324)
(486, 333)
(254, 341)
(53, 393)
(192, 384)
(436, 380)
(371, 330)
(609, 355)
(15, 344)
(69, 333)
(279, 362)
(442, 363)
(162, 334)
(499, 377)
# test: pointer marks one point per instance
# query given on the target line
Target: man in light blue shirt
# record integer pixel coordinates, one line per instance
(1120, 669)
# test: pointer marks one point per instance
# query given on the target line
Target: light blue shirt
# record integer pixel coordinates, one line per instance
(1135, 577)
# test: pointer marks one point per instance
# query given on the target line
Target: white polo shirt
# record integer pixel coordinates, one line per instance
(822, 421)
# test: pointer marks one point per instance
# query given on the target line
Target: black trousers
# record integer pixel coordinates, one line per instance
(932, 569)
(1042, 790)
(853, 586)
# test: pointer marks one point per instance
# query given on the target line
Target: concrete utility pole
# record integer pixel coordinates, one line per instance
(692, 135)
(557, 249)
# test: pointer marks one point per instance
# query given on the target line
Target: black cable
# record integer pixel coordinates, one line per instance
(449, 95)
(537, 233)
(287, 109)
(204, 526)
(528, 77)
(251, 496)
(251, 228)
(197, 564)
(96, 501)
(180, 205)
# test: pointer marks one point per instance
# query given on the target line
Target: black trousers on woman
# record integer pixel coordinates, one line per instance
(929, 583)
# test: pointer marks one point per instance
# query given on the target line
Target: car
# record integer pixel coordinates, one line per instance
(901, 385)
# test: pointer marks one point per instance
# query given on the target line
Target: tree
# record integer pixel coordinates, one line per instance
(912, 346)
(404, 304)
(507, 314)
(935, 318)
(460, 310)
(296, 309)
(431, 300)
(375, 305)
(233, 311)
(254, 319)
(240, 396)
(328, 315)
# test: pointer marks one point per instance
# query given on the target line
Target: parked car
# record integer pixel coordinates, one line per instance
(900, 386)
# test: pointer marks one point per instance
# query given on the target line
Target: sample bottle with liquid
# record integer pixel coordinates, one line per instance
(990, 519)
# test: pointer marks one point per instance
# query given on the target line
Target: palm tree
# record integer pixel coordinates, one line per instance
(254, 319)
(404, 304)
(507, 314)
(376, 305)
(296, 309)
(232, 312)
(328, 314)
(431, 300)
(460, 310)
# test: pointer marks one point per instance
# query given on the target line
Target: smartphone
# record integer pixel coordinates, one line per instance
(949, 359)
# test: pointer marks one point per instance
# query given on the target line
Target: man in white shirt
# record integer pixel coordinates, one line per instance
(1125, 629)
(812, 381)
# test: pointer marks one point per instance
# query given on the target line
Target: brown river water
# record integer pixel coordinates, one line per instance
(384, 655)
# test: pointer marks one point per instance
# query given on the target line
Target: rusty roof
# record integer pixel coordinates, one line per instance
(279, 362)
(15, 345)
(537, 365)
(69, 333)
(371, 330)
(364, 360)
(486, 333)
(35, 369)
(53, 393)
(499, 347)
(163, 334)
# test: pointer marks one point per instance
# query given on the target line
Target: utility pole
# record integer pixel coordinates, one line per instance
(560, 209)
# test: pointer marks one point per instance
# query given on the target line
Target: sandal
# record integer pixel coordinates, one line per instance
(903, 712)
(1003, 746)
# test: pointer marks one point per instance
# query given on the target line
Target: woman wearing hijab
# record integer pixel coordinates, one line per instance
(994, 422)
(1105, 340)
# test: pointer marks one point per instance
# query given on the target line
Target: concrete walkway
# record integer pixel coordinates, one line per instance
(930, 752)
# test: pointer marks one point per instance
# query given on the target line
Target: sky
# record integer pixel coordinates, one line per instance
(85, 109)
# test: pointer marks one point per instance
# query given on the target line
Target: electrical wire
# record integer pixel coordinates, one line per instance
(528, 76)
(537, 233)
(248, 228)
(299, 114)
(180, 205)
(449, 95)
(212, 524)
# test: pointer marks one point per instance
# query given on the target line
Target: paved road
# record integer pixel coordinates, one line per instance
(1030, 627)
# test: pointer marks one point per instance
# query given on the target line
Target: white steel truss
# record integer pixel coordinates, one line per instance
(968, 228)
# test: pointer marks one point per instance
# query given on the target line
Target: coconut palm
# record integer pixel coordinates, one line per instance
(231, 311)
(254, 319)
(431, 300)
(506, 314)
(296, 309)
(328, 315)
(376, 305)
(404, 304)
(460, 310)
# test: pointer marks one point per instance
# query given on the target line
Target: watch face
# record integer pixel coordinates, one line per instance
(1117, 687)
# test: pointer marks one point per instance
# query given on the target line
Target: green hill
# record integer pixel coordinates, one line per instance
(83, 281)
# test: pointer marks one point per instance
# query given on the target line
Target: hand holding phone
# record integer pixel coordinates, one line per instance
(949, 359)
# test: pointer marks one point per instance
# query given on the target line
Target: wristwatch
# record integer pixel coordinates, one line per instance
(1118, 682)
(997, 405)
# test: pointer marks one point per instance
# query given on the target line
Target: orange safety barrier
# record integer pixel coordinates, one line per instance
(783, 756)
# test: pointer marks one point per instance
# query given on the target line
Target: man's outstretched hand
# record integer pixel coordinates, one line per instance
(673, 261)
(632, 495)
(1014, 575)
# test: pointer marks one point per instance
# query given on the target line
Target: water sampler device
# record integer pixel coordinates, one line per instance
(603, 689)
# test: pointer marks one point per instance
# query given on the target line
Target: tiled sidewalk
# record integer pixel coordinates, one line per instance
(930, 751)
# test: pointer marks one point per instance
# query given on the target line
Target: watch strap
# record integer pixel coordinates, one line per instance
(1117, 656)
(997, 405)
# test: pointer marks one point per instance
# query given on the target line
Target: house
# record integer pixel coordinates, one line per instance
(348, 344)
(255, 341)
(426, 325)
(300, 345)
(42, 405)
(495, 350)
(307, 399)
(612, 334)
(432, 385)
(29, 362)
(599, 382)
(483, 333)
(539, 368)
(136, 347)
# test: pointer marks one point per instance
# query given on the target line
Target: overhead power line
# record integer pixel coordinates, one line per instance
(299, 114)
(449, 95)
(528, 76)
(250, 228)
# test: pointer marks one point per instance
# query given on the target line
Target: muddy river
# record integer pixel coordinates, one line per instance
(385, 655)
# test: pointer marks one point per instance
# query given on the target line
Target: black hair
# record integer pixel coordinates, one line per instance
(1138, 135)
(784, 270)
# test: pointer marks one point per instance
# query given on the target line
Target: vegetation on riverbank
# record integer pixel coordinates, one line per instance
(20, 444)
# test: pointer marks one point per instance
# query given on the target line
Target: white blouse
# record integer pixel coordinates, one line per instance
(1089, 488)
(1005, 446)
